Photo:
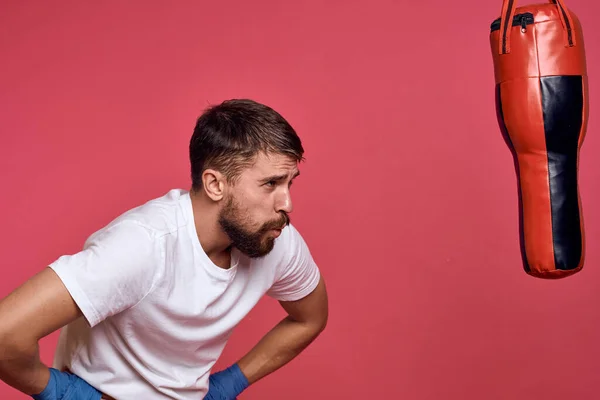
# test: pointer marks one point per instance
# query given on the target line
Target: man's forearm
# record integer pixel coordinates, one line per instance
(278, 347)
(35, 309)
(21, 368)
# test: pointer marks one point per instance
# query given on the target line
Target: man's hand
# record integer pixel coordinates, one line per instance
(226, 384)
(67, 386)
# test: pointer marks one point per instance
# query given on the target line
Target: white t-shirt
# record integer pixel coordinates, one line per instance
(158, 312)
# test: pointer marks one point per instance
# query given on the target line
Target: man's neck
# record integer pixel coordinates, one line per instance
(214, 241)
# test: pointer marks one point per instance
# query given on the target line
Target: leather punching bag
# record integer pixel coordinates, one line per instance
(542, 107)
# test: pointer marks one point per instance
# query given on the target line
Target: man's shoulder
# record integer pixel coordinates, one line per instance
(158, 217)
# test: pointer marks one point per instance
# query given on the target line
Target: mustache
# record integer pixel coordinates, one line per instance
(280, 223)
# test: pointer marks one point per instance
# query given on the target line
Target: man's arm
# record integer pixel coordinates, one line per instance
(306, 319)
(37, 308)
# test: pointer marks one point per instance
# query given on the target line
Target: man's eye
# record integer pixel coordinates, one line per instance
(271, 183)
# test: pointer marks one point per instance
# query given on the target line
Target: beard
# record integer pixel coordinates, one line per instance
(255, 244)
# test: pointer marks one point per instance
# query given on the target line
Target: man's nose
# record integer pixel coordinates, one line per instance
(284, 202)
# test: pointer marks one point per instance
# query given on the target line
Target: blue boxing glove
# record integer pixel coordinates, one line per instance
(226, 384)
(67, 386)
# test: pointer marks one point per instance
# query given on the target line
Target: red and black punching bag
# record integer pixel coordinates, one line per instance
(542, 107)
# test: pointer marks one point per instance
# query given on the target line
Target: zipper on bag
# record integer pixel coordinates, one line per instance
(523, 20)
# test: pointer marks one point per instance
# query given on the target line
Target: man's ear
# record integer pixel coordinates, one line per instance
(213, 183)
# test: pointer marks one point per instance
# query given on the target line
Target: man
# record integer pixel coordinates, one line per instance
(147, 306)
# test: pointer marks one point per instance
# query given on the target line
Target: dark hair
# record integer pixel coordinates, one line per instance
(228, 136)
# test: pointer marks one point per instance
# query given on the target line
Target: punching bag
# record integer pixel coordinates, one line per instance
(542, 107)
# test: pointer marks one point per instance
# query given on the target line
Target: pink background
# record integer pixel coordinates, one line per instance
(407, 198)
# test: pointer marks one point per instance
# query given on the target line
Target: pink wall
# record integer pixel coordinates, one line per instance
(407, 197)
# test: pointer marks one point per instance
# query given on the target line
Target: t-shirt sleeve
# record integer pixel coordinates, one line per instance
(115, 270)
(298, 274)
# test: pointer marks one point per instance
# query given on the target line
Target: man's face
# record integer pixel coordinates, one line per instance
(256, 207)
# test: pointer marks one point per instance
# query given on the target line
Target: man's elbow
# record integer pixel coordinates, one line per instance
(323, 323)
(321, 318)
(319, 324)
(319, 329)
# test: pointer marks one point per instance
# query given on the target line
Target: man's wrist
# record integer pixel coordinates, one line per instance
(239, 378)
(49, 389)
(61, 383)
(25, 374)
(43, 378)
(227, 384)
(235, 380)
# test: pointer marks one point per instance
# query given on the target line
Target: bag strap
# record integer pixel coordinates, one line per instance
(567, 22)
(508, 12)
